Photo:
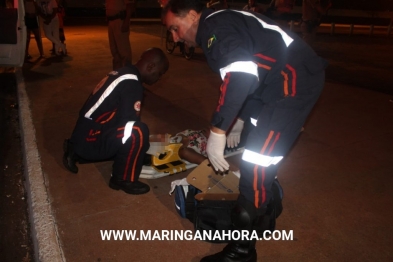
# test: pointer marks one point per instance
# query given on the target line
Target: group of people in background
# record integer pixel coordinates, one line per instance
(52, 13)
(118, 13)
(312, 12)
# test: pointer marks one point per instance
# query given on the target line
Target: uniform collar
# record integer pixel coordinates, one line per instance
(134, 70)
(201, 28)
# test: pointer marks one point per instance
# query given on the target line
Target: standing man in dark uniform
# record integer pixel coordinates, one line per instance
(109, 125)
(118, 14)
(271, 78)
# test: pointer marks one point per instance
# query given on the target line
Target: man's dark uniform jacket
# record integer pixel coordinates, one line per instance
(109, 124)
(271, 78)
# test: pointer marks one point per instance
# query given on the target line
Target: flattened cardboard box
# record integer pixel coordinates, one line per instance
(213, 186)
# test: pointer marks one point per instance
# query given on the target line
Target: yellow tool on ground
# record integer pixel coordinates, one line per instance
(169, 161)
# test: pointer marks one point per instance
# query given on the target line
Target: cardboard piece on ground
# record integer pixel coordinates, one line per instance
(213, 186)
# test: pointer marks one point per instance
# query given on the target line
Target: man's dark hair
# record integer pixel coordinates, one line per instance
(181, 7)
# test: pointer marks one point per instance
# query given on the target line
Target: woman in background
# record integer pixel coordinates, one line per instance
(61, 15)
(48, 12)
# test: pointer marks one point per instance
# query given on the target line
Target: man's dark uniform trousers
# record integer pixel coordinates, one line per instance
(271, 78)
(109, 124)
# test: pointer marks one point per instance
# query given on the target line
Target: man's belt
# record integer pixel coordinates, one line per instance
(121, 15)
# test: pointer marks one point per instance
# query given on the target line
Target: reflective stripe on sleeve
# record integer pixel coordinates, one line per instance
(241, 66)
(287, 39)
(259, 159)
(108, 91)
(216, 12)
(127, 131)
(254, 121)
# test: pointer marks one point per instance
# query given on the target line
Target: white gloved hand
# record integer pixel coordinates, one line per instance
(233, 138)
(215, 151)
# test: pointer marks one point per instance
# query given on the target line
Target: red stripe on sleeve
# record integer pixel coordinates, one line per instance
(271, 59)
(223, 90)
(293, 71)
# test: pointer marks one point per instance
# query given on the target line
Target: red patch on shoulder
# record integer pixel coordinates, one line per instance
(137, 106)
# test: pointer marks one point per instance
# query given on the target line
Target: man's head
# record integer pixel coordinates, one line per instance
(152, 64)
(181, 18)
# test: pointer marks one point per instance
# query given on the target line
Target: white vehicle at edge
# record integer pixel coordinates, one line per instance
(12, 34)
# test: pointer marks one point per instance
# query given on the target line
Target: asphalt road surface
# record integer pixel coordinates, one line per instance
(15, 242)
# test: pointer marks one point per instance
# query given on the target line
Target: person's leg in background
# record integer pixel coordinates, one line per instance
(52, 33)
(124, 46)
(119, 44)
(56, 35)
(112, 44)
(30, 24)
(33, 27)
(38, 39)
(62, 39)
(28, 33)
(309, 31)
(61, 35)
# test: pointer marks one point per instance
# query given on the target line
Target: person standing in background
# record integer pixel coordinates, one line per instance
(312, 12)
(48, 11)
(61, 15)
(253, 6)
(217, 5)
(118, 14)
(280, 10)
(31, 21)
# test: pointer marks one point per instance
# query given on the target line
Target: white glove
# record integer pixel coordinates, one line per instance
(233, 138)
(215, 151)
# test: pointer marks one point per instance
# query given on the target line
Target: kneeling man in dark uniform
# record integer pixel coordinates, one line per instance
(109, 126)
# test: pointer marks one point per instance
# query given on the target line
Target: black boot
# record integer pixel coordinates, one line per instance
(134, 188)
(235, 252)
(69, 157)
(266, 222)
(243, 218)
